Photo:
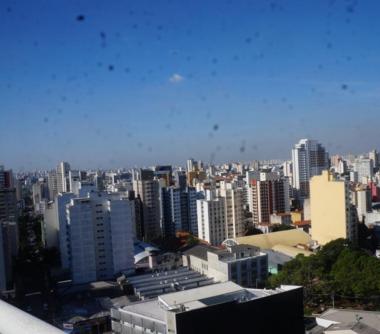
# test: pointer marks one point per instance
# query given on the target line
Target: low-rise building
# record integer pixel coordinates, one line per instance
(218, 308)
(242, 264)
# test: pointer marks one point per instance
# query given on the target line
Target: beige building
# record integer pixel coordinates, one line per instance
(331, 212)
(234, 206)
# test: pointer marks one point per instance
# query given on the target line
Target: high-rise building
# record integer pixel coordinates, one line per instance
(191, 165)
(364, 168)
(374, 156)
(9, 245)
(180, 179)
(211, 220)
(3, 276)
(74, 179)
(309, 158)
(100, 238)
(148, 189)
(268, 193)
(171, 211)
(8, 200)
(331, 210)
(361, 198)
(234, 209)
(178, 210)
(164, 173)
(40, 194)
(63, 182)
(52, 185)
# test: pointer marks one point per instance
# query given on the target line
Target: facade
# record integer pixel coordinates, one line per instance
(242, 264)
(309, 158)
(211, 220)
(331, 215)
(99, 236)
(217, 308)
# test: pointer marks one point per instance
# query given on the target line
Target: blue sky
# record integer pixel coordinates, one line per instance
(145, 82)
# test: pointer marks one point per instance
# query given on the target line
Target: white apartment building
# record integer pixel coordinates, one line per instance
(100, 237)
(361, 198)
(234, 209)
(211, 220)
(63, 183)
(364, 169)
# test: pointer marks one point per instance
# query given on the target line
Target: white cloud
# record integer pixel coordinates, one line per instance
(176, 78)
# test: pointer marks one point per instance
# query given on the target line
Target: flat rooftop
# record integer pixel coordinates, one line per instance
(344, 316)
(183, 301)
(149, 308)
(158, 283)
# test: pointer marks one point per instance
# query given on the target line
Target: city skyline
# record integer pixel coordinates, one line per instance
(127, 84)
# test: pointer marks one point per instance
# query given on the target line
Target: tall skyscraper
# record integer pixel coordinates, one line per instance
(100, 238)
(374, 156)
(63, 182)
(309, 158)
(148, 189)
(332, 216)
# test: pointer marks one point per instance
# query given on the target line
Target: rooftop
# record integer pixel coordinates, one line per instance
(148, 308)
(347, 316)
(158, 283)
(187, 300)
(269, 240)
(226, 254)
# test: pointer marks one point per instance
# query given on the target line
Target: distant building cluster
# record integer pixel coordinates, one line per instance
(195, 227)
